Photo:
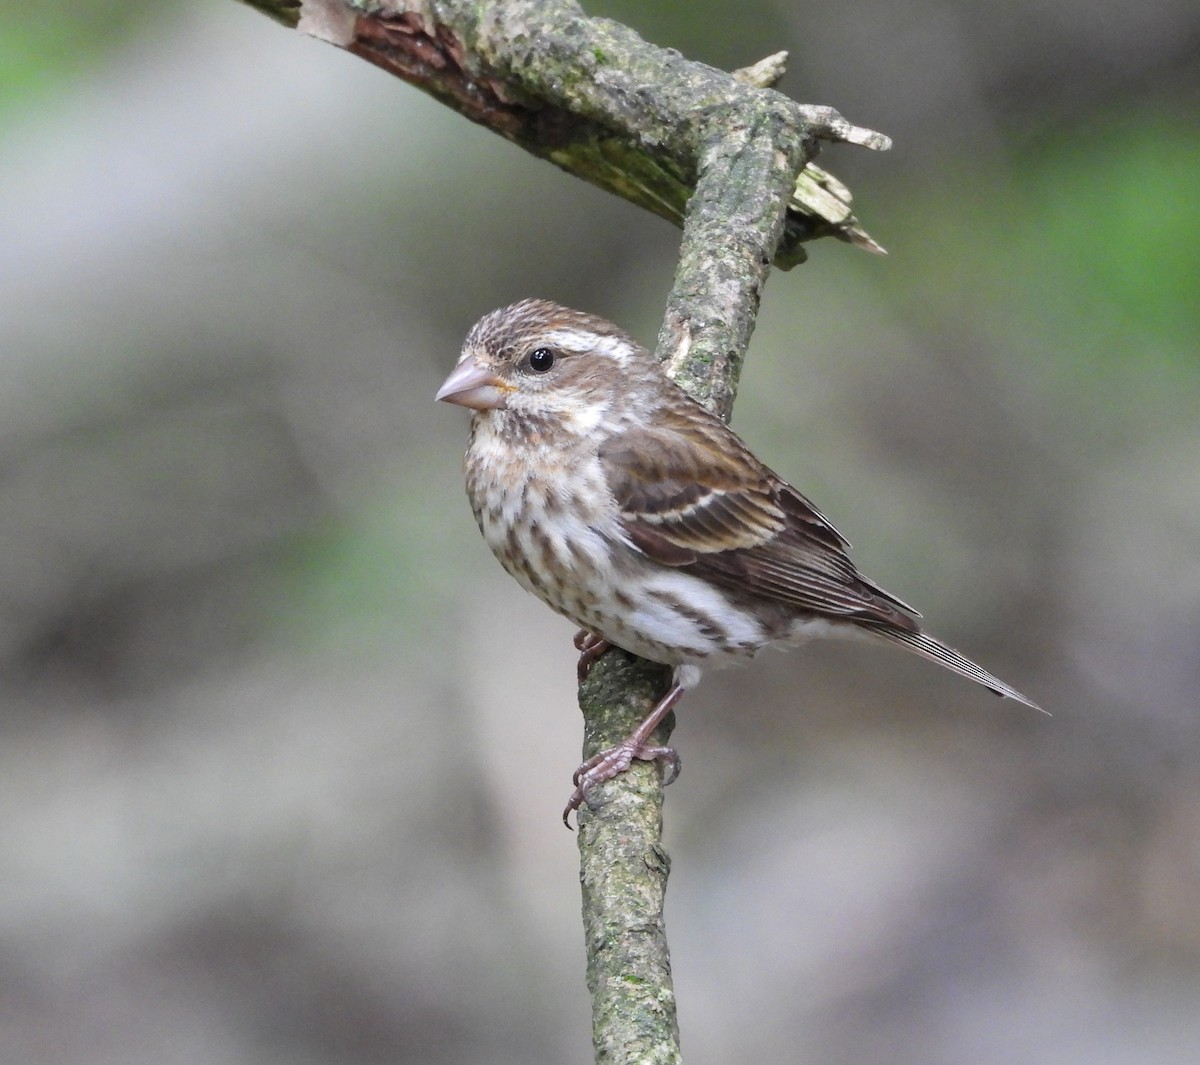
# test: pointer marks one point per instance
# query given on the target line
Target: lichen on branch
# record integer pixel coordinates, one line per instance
(586, 94)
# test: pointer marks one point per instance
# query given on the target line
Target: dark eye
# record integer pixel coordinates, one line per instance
(541, 359)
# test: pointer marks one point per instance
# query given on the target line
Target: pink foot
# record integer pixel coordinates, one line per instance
(612, 763)
(590, 648)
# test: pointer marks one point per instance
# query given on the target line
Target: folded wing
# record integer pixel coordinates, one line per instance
(691, 495)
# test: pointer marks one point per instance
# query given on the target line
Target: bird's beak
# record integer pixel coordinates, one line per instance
(472, 385)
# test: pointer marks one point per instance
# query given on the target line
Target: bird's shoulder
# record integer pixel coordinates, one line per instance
(686, 485)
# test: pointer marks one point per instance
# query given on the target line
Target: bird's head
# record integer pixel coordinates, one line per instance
(538, 360)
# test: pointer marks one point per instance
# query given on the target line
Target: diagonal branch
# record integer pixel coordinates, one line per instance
(730, 160)
(586, 94)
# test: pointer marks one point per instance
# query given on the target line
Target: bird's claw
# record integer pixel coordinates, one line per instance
(590, 647)
(612, 763)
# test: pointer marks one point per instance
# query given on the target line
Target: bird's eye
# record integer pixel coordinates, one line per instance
(541, 359)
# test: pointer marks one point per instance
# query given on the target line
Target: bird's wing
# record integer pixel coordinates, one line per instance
(678, 488)
(691, 495)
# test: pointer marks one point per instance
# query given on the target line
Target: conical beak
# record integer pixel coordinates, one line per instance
(472, 385)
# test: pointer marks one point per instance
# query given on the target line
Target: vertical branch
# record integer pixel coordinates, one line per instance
(623, 873)
(752, 152)
(733, 225)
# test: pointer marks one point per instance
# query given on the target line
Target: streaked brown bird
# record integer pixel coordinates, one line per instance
(619, 501)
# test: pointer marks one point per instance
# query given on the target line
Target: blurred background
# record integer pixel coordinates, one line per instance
(283, 749)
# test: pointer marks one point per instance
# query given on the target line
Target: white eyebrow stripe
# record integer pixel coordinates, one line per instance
(616, 348)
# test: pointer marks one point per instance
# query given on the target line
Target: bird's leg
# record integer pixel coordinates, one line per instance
(590, 647)
(615, 760)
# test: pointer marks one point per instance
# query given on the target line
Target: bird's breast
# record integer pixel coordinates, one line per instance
(549, 517)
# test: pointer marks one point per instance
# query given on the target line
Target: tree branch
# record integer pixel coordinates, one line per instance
(727, 158)
(587, 94)
(623, 871)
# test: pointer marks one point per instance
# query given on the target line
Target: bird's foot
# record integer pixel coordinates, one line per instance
(612, 763)
(590, 647)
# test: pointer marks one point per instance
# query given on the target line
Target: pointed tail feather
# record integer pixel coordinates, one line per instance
(936, 651)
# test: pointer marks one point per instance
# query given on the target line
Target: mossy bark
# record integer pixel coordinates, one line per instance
(587, 94)
(623, 873)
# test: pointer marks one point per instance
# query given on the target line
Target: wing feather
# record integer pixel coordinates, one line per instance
(692, 496)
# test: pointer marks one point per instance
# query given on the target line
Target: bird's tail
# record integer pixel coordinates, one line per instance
(936, 651)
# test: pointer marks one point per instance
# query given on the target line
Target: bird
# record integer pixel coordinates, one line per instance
(631, 509)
